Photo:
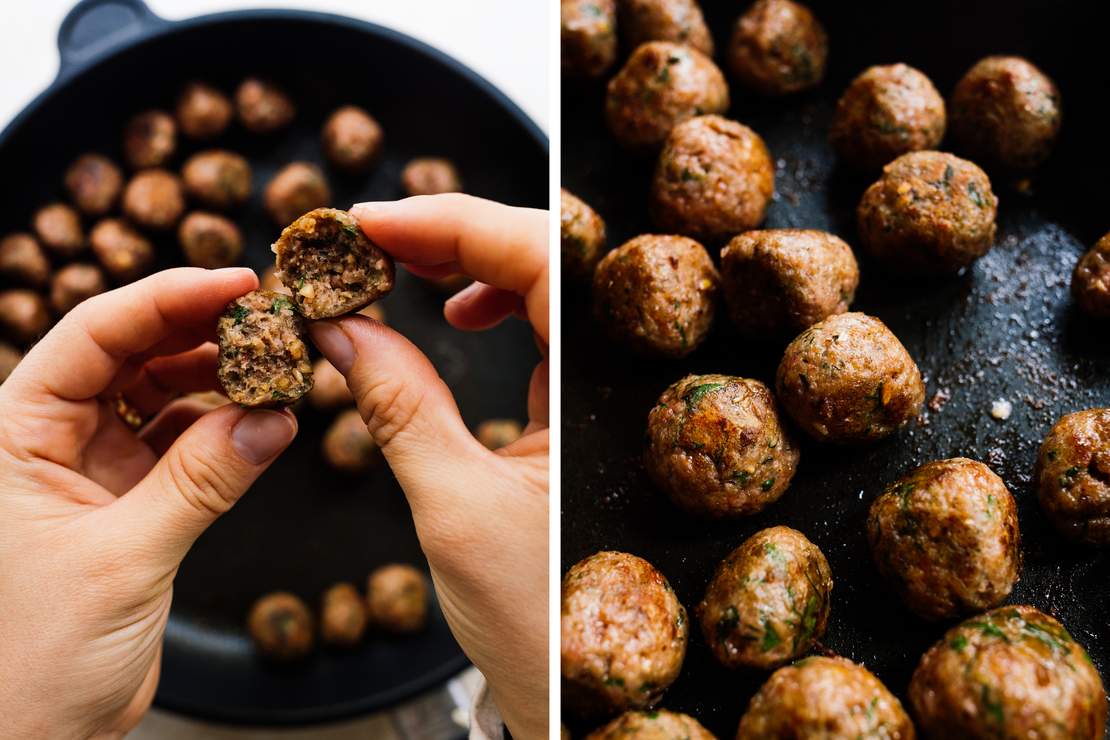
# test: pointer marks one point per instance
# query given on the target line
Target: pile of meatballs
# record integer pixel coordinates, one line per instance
(945, 535)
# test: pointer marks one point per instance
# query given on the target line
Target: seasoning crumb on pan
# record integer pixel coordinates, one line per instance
(1001, 409)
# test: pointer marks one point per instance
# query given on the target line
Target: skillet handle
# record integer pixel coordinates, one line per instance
(94, 27)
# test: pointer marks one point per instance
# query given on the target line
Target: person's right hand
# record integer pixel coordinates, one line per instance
(482, 517)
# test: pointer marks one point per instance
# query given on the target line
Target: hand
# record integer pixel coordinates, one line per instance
(482, 517)
(94, 518)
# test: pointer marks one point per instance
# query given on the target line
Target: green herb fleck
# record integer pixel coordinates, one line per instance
(767, 484)
(279, 305)
(614, 681)
(694, 396)
(239, 313)
(959, 642)
(351, 229)
(771, 639)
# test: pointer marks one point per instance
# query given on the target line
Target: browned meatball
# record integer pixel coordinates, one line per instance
(780, 281)
(343, 615)
(149, 139)
(778, 47)
(1090, 283)
(23, 315)
(154, 199)
(209, 241)
(1010, 673)
(498, 433)
(329, 387)
(203, 112)
(946, 537)
(661, 85)
(929, 213)
(263, 353)
(94, 184)
(714, 179)
(281, 626)
(430, 176)
(886, 112)
(654, 725)
(263, 107)
(582, 235)
(1007, 112)
(124, 253)
(74, 284)
(717, 447)
(217, 179)
(295, 190)
(58, 228)
(352, 139)
(10, 357)
(23, 261)
(656, 294)
(348, 446)
(397, 596)
(623, 633)
(827, 698)
(588, 36)
(848, 379)
(768, 602)
(1073, 476)
(679, 21)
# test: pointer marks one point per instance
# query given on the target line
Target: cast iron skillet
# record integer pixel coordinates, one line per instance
(303, 526)
(1004, 330)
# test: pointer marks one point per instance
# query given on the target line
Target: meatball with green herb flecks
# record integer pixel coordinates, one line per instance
(717, 446)
(343, 615)
(150, 139)
(397, 597)
(680, 21)
(1090, 282)
(1010, 673)
(1073, 476)
(58, 228)
(296, 189)
(352, 139)
(582, 234)
(154, 199)
(94, 183)
(778, 47)
(203, 112)
(430, 176)
(217, 178)
(74, 284)
(768, 601)
(262, 106)
(348, 446)
(123, 252)
(281, 626)
(655, 724)
(210, 241)
(587, 36)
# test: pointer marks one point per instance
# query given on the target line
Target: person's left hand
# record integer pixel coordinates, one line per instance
(94, 518)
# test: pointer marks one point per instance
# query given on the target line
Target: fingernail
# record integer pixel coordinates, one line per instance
(369, 208)
(260, 435)
(334, 343)
(467, 294)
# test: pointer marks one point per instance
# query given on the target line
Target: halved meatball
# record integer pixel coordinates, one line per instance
(778, 47)
(74, 284)
(397, 596)
(348, 446)
(262, 106)
(352, 139)
(1073, 476)
(848, 379)
(680, 21)
(946, 537)
(23, 261)
(210, 241)
(498, 433)
(588, 36)
(150, 139)
(343, 616)
(623, 633)
(1010, 673)
(430, 176)
(24, 316)
(654, 725)
(217, 179)
(1090, 282)
(94, 183)
(582, 234)
(203, 112)
(10, 357)
(296, 189)
(717, 446)
(154, 199)
(58, 228)
(123, 252)
(281, 626)
(263, 353)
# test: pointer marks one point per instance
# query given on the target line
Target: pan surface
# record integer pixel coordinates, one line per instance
(1006, 329)
(303, 526)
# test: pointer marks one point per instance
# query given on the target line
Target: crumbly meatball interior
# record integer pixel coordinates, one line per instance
(263, 355)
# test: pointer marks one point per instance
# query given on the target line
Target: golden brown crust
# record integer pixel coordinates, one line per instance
(397, 596)
(23, 261)
(281, 626)
(24, 316)
(123, 252)
(58, 228)
(588, 36)
(210, 241)
(343, 615)
(1090, 282)
(679, 21)
(1073, 476)
(430, 176)
(262, 106)
(778, 47)
(73, 284)
(217, 178)
(203, 112)
(94, 183)
(656, 724)
(154, 199)
(352, 139)
(582, 234)
(299, 187)
(149, 139)
(348, 446)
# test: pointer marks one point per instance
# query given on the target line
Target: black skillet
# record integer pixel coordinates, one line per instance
(1004, 330)
(303, 526)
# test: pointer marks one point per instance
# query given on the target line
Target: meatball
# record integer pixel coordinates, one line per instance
(653, 725)
(330, 266)
(661, 85)
(217, 179)
(1090, 283)
(94, 183)
(297, 189)
(679, 21)
(781, 281)
(848, 379)
(717, 447)
(588, 36)
(1007, 112)
(430, 176)
(946, 537)
(263, 357)
(352, 139)
(624, 635)
(203, 112)
(329, 387)
(778, 47)
(886, 112)
(263, 107)
(281, 626)
(149, 139)
(1012, 672)
(582, 234)
(268, 280)
(23, 315)
(397, 597)
(768, 602)
(656, 294)
(828, 698)
(210, 241)
(343, 616)
(929, 213)
(74, 284)
(23, 261)
(498, 433)
(348, 446)
(9, 358)
(58, 228)
(1073, 476)
(124, 253)
(714, 179)
(154, 199)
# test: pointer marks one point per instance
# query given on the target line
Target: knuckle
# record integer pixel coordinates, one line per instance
(201, 483)
(391, 408)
